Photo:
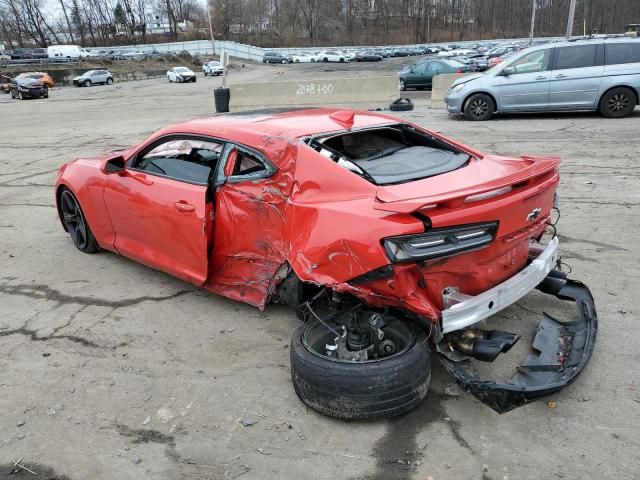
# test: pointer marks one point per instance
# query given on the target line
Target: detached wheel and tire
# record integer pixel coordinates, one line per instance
(75, 223)
(618, 103)
(479, 107)
(379, 388)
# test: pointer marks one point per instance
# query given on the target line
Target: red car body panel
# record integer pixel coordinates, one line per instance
(313, 216)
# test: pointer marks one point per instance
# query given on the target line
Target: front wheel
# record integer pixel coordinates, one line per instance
(75, 223)
(87, 83)
(617, 103)
(479, 107)
(342, 382)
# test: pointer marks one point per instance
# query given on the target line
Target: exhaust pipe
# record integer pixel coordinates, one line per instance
(483, 345)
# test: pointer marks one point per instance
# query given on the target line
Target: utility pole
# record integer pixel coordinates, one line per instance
(213, 45)
(533, 21)
(572, 12)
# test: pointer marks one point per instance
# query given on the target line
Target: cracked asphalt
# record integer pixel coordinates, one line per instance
(111, 370)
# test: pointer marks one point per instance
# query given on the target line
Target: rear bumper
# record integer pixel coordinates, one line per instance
(465, 310)
(564, 350)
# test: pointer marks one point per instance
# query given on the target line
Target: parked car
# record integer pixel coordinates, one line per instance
(401, 52)
(5, 84)
(276, 57)
(134, 55)
(98, 54)
(421, 75)
(45, 78)
(27, 53)
(24, 88)
(367, 56)
(93, 77)
(303, 57)
(501, 50)
(331, 56)
(590, 74)
(117, 54)
(181, 74)
(390, 241)
(64, 51)
(212, 67)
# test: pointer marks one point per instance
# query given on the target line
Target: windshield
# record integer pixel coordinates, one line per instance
(181, 69)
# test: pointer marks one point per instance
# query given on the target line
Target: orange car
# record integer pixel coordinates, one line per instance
(45, 78)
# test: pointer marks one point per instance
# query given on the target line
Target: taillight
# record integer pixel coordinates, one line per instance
(459, 70)
(439, 242)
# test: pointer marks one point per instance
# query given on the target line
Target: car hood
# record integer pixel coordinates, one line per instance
(468, 78)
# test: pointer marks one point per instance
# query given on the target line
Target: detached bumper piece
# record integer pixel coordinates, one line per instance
(565, 349)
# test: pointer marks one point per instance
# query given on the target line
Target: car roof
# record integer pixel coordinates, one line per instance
(269, 128)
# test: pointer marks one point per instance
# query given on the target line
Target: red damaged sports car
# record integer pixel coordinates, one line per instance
(391, 242)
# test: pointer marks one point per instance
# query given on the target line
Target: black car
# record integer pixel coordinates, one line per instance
(28, 88)
(28, 53)
(367, 56)
(401, 52)
(420, 75)
(276, 57)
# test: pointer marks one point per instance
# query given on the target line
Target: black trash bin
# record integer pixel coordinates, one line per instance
(222, 96)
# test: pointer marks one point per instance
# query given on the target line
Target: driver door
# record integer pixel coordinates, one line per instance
(160, 205)
(526, 87)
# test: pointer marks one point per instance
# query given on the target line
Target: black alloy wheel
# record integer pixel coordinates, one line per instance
(75, 223)
(479, 107)
(617, 103)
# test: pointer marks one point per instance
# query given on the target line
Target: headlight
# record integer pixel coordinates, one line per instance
(439, 242)
(458, 88)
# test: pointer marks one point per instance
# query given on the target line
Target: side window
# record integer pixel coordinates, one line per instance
(532, 62)
(421, 69)
(575, 57)
(190, 160)
(617, 53)
(247, 164)
(434, 67)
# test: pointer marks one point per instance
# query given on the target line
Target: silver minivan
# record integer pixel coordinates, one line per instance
(585, 74)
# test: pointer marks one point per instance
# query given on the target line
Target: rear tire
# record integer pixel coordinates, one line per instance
(382, 388)
(479, 107)
(109, 81)
(617, 103)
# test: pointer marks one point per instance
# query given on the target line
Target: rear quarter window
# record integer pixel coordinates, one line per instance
(617, 53)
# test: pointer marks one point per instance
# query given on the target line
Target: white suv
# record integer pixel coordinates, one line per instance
(212, 67)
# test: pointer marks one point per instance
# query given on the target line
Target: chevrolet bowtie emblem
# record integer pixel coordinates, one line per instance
(533, 214)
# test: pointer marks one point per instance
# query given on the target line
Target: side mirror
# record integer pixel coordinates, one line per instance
(114, 165)
(508, 71)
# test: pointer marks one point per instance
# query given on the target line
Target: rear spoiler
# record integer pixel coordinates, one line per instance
(538, 176)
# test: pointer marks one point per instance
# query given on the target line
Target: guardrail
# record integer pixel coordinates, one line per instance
(38, 61)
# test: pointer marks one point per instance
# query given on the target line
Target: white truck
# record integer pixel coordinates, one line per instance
(65, 51)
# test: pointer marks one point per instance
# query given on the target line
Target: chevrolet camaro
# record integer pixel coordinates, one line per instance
(392, 243)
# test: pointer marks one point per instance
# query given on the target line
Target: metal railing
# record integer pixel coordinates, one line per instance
(38, 61)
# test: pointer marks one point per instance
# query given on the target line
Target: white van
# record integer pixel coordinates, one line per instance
(64, 51)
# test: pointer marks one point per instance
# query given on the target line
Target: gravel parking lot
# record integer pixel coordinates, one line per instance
(111, 370)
